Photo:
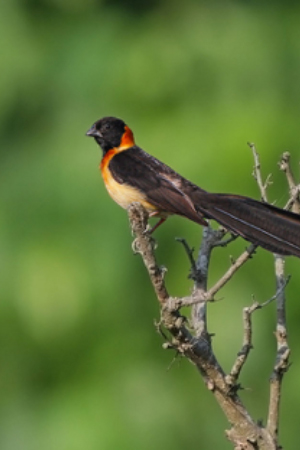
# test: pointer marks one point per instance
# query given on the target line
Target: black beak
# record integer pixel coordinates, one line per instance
(93, 132)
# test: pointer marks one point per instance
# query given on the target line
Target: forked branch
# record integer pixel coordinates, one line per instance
(245, 433)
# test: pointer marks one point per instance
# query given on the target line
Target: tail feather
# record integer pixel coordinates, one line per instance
(262, 224)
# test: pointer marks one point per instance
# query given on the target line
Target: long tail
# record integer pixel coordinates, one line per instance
(262, 224)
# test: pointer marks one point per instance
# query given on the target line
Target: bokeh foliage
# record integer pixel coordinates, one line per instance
(80, 363)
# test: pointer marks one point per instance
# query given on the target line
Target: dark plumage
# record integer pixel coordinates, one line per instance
(130, 174)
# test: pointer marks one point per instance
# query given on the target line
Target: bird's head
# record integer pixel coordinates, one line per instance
(111, 132)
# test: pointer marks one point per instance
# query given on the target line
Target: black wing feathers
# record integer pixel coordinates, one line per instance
(158, 182)
(273, 228)
(260, 223)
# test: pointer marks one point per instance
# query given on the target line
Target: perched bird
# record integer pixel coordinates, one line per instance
(132, 175)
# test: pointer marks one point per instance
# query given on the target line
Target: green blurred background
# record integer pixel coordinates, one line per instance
(81, 365)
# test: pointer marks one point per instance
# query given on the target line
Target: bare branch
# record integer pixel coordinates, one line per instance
(247, 337)
(190, 253)
(294, 188)
(257, 174)
(200, 294)
(242, 356)
(224, 242)
(284, 165)
(199, 310)
(242, 259)
(283, 351)
(144, 244)
(245, 432)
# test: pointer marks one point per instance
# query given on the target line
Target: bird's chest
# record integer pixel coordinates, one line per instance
(122, 193)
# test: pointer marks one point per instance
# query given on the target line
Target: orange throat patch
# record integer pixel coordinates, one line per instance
(127, 140)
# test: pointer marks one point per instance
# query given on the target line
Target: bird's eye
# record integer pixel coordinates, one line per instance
(106, 126)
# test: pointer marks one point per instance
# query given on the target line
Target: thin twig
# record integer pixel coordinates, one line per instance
(190, 254)
(247, 337)
(293, 203)
(257, 174)
(224, 242)
(209, 295)
(294, 188)
(239, 262)
(242, 355)
(285, 166)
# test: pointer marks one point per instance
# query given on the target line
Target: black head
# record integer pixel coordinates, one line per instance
(108, 132)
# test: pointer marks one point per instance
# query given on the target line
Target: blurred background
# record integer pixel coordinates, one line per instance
(81, 365)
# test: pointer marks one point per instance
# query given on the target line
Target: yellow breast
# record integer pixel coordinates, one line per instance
(122, 194)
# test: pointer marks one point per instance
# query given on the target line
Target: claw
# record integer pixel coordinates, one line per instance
(148, 229)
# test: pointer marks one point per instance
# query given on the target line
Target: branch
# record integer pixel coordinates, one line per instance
(294, 200)
(242, 259)
(283, 351)
(247, 338)
(247, 344)
(138, 218)
(200, 294)
(263, 186)
(245, 433)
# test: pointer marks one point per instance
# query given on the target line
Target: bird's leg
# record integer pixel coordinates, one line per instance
(162, 220)
(157, 225)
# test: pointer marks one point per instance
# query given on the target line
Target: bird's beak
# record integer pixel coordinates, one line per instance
(93, 132)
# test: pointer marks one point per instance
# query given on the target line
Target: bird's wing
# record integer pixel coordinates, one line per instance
(160, 185)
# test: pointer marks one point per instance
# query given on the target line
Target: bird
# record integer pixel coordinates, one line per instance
(132, 175)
